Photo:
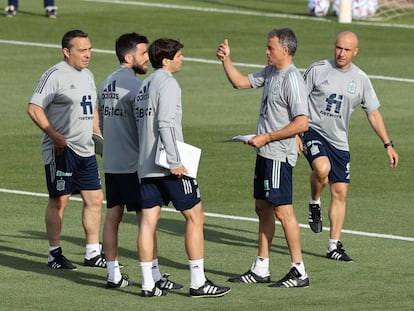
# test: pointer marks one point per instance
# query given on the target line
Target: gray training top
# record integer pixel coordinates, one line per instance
(333, 96)
(158, 114)
(117, 121)
(68, 97)
(283, 99)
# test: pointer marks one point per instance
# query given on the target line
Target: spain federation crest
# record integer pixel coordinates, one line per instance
(352, 87)
(60, 185)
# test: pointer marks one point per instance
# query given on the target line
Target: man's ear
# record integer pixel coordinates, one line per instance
(66, 52)
(356, 51)
(165, 62)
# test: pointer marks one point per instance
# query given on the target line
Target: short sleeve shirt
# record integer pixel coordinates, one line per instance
(283, 99)
(333, 96)
(68, 97)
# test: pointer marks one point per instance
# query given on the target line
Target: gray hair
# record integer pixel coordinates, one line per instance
(286, 38)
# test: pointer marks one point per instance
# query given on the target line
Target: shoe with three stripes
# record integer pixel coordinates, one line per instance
(123, 282)
(249, 277)
(315, 218)
(97, 262)
(209, 289)
(292, 279)
(155, 292)
(165, 283)
(339, 254)
(59, 261)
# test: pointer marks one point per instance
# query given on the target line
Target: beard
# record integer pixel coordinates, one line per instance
(139, 69)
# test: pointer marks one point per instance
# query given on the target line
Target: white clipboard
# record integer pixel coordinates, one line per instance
(189, 155)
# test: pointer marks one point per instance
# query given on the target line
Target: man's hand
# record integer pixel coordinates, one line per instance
(179, 171)
(223, 51)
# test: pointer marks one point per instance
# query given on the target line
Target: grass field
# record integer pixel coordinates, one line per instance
(378, 231)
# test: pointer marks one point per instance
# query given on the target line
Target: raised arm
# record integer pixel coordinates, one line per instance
(236, 78)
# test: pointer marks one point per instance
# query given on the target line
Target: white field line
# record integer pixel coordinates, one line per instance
(242, 12)
(190, 59)
(222, 216)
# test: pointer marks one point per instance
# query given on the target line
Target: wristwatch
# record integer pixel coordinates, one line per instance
(388, 144)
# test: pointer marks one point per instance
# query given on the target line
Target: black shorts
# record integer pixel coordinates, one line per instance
(182, 192)
(273, 181)
(123, 190)
(70, 173)
(316, 146)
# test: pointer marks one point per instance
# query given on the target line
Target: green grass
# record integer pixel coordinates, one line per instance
(380, 199)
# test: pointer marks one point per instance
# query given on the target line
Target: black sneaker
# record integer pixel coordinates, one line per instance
(165, 283)
(10, 10)
(51, 11)
(123, 282)
(292, 279)
(249, 277)
(315, 218)
(97, 262)
(339, 253)
(209, 289)
(155, 292)
(60, 261)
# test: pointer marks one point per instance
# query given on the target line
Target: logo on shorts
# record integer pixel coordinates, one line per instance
(60, 185)
(314, 149)
(63, 174)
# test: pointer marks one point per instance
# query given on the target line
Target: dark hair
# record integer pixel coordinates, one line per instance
(286, 38)
(67, 37)
(163, 48)
(127, 43)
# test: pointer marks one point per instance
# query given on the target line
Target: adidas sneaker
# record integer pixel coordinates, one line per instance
(315, 218)
(59, 261)
(292, 279)
(123, 282)
(155, 292)
(51, 11)
(165, 283)
(249, 277)
(10, 10)
(96, 262)
(339, 253)
(209, 289)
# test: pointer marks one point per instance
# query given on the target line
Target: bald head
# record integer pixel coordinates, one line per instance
(346, 47)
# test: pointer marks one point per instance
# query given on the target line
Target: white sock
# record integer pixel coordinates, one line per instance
(197, 276)
(261, 266)
(332, 244)
(114, 272)
(312, 201)
(92, 250)
(148, 282)
(156, 274)
(52, 248)
(300, 266)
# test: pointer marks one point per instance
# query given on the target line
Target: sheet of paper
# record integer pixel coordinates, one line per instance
(243, 138)
(190, 158)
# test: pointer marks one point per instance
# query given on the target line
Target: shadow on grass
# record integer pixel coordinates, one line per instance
(21, 259)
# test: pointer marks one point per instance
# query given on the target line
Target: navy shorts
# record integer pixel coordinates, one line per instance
(316, 146)
(273, 181)
(123, 190)
(70, 173)
(182, 192)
